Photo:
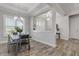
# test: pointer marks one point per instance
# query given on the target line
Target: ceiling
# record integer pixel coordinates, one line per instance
(17, 8)
(22, 8)
(37, 8)
(69, 8)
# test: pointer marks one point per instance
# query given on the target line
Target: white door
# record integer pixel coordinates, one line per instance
(74, 26)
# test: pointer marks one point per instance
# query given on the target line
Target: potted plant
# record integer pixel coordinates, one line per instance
(18, 29)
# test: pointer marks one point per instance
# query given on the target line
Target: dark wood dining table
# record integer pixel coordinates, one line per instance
(17, 41)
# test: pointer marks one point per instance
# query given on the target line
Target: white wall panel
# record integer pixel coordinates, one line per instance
(74, 26)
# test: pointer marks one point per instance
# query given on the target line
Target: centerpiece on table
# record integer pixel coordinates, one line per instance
(18, 30)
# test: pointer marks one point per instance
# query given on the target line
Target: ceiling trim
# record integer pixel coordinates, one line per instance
(12, 8)
(57, 8)
(74, 12)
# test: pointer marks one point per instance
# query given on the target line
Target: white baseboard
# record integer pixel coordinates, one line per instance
(52, 45)
(1, 42)
(65, 38)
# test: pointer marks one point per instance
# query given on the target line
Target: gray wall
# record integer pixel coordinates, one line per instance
(2, 27)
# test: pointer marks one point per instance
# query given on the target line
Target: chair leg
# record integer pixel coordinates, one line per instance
(28, 46)
(16, 49)
(8, 47)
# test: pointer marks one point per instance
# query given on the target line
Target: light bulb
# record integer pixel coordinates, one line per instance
(15, 17)
(48, 19)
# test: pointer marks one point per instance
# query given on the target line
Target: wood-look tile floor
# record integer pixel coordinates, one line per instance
(64, 48)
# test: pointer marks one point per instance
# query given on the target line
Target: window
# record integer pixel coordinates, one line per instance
(11, 22)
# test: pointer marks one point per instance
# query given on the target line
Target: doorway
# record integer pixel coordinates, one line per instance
(74, 26)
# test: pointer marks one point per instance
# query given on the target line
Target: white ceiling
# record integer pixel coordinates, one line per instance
(69, 7)
(35, 8)
(18, 8)
(66, 6)
(22, 8)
